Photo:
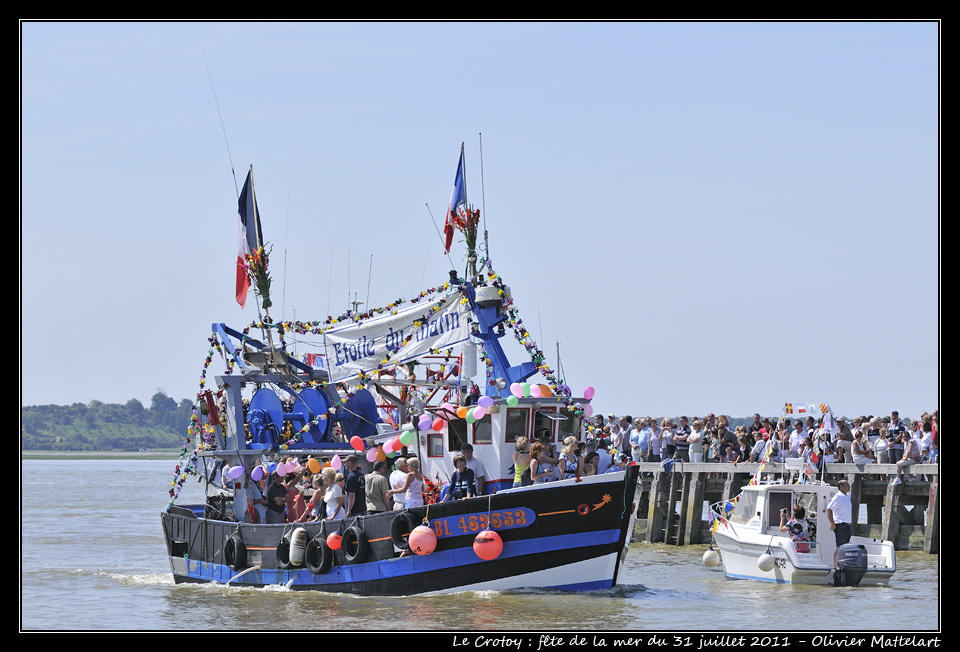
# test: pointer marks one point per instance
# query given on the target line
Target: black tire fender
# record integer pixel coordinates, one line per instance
(354, 537)
(400, 529)
(318, 558)
(235, 553)
(283, 553)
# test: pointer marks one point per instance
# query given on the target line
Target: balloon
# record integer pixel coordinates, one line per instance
(257, 474)
(236, 472)
(381, 455)
(407, 438)
(545, 391)
(589, 392)
(424, 423)
(372, 455)
(333, 540)
(512, 401)
(282, 469)
(470, 418)
(438, 424)
(356, 443)
(422, 540)
(314, 465)
(336, 462)
(525, 387)
(517, 390)
(488, 545)
(479, 412)
(535, 391)
(485, 401)
(271, 467)
(588, 410)
(462, 412)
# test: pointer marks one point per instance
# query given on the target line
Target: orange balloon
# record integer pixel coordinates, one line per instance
(462, 411)
(545, 391)
(314, 465)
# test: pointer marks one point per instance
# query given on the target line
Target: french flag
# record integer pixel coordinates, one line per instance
(250, 237)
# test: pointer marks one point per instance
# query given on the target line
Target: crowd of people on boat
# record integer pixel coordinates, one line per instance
(867, 440)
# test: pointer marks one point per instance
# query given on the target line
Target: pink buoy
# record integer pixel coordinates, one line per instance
(333, 540)
(488, 545)
(422, 540)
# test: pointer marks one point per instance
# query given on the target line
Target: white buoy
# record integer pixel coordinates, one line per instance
(765, 562)
(298, 546)
(711, 558)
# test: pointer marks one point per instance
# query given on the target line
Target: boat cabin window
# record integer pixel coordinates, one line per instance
(570, 425)
(516, 424)
(745, 509)
(456, 436)
(777, 500)
(543, 423)
(482, 433)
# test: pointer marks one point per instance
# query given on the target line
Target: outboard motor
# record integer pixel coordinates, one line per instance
(852, 562)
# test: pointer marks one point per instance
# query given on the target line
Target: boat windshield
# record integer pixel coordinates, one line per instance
(746, 508)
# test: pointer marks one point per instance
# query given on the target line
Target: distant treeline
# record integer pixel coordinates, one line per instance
(105, 426)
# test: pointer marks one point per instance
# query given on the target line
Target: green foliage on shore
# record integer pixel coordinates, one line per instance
(105, 426)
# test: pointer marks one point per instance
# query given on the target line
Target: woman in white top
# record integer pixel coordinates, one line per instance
(412, 487)
(333, 495)
(695, 439)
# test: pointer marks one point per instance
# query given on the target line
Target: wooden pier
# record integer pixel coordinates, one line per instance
(672, 507)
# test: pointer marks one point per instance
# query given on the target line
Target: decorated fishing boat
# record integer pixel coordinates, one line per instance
(778, 529)
(390, 383)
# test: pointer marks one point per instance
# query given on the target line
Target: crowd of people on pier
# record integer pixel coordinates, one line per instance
(867, 440)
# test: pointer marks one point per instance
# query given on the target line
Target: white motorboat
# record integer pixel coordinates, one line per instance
(752, 546)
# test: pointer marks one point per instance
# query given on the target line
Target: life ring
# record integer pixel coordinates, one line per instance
(283, 553)
(400, 529)
(318, 558)
(354, 536)
(234, 552)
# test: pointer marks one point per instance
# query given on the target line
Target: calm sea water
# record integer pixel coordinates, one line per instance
(93, 558)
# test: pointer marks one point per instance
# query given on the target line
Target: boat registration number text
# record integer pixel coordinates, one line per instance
(505, 519)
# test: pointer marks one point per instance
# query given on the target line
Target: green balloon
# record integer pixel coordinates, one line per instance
(512, 400)
(407, 437)
(526, 389)
(470, 418)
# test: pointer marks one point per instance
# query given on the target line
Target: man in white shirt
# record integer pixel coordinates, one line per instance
(840, 513)
(474, 465)
(397, 478)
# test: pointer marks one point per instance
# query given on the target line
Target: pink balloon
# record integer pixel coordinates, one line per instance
(517, 390)
(588, 410)
(535, 391)
(589, 393)
(479, 412)
(372, 455)
(336, 462)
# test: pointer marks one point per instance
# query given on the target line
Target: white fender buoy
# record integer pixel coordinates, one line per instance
(298, 546)
(711, 558)
(765, 562)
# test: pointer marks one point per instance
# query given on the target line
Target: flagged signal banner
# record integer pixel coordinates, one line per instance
(363, 347)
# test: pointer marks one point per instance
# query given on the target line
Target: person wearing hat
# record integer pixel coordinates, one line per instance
(275, 500)
(355, 487)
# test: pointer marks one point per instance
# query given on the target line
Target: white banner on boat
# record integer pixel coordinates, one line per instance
(438, 324)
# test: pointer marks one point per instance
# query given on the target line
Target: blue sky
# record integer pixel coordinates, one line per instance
(706, 216)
